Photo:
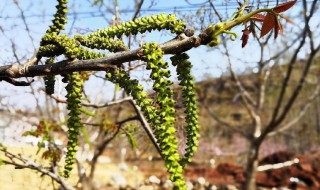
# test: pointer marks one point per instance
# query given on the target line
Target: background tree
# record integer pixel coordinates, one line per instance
(257, 102)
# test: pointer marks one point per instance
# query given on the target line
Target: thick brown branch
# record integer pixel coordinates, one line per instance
(179, 44)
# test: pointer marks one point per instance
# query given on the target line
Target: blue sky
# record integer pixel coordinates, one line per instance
(38, 13)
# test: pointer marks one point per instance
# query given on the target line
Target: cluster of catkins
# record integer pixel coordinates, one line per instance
(159, 112)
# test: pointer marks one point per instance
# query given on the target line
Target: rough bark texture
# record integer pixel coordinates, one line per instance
(252, 167)
(180, 44)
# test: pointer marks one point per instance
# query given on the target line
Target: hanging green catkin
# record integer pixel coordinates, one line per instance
(132, 87)
(189, 100)
(74, 89)
(101, 43)
(59, 17)
(142, 25)
(53, 44)
(49, 80)
(57, 25)
(49, 50)
(103, 39)
(165, 135)
(164, 124)
(71, 48)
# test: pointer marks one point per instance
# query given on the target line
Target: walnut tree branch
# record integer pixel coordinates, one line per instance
(179, 44)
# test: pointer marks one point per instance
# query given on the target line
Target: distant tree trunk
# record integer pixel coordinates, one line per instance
(252, 166)
(317, 118)
(86, 183)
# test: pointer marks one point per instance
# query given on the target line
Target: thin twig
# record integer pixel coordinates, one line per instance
(276, 117)
(27, 163)
(101, 147)
(289, 72)
(303, 110)
(138, 8)
(225, 123)
(247, 100)
(25, 23)
(146, 126)
(215, 10)
(122, 100)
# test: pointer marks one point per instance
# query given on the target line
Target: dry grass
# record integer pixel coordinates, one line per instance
(26, 179)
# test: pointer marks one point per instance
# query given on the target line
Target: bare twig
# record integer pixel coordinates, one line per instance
(58, 100)
(276, 117)
(20, 162)
(138, 8)
(247, 100)
(118, 123)
(14, 82)
(215, 10)
(289, 71)
(101, 147)
(304, 108)
(225, 123)
(245, 96)
(146, 126)
(133, 67)
(25, 22)
(143, 121)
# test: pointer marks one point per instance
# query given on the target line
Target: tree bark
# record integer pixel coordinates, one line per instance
(252, 166)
